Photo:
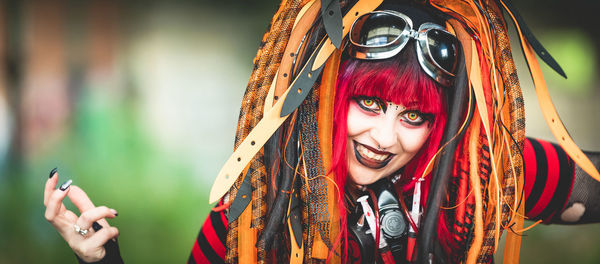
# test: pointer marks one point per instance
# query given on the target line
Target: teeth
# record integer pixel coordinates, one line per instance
(371, 155)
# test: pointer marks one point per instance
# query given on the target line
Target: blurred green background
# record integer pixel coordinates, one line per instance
(137, 102)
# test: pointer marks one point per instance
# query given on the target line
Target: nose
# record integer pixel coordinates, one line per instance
(384, 132)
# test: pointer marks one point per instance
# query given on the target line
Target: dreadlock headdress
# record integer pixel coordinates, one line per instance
(279, 180)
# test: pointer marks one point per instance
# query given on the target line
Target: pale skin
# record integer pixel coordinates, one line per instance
(89, 247)
(382, 137)
(385, 136)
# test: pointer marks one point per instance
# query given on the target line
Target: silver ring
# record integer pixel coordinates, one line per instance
(78, 229)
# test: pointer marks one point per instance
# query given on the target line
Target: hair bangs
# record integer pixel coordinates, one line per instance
(400, 81)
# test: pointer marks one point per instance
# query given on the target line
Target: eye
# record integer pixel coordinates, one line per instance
(414, 118)
(369, 104)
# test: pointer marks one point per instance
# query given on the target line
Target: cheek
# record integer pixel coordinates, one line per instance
(412, 139)
(357, 122)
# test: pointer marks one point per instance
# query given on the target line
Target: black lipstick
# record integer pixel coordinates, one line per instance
(370, 163)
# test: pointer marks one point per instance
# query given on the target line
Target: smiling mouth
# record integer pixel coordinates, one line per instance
(370, 157)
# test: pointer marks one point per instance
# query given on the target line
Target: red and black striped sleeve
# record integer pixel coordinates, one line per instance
(210, 243)
(549, 178)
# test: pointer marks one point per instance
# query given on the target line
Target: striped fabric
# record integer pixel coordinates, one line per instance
(549, 176)
(210, 243)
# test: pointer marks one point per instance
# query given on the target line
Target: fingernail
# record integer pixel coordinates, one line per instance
(66, 185)
(52, 172)
(114, 212)
(96, 226)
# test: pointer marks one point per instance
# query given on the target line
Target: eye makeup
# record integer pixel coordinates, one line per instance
(371, 104)
(415, 117)
(376, 105)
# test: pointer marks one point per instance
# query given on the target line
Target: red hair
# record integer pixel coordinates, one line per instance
(399, 80)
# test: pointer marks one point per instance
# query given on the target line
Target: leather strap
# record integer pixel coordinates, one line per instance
(303, 83)
(476, 81)
(512, 248)
(475, 181)
(247, 238)
(308, 15)
(242, 198)
(549, 111)
(297, 252)
(325, 131)
(531, 39)
(246, 150)
(360, 8)
(331, 13)
(272, 119)
(270, 100)
(312, 69)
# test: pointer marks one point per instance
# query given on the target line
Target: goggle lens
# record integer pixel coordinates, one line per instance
(442, 48)
(377, 30)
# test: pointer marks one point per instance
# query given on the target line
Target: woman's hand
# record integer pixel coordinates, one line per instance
(88, 246)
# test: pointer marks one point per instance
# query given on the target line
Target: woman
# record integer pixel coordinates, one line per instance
(389, 158)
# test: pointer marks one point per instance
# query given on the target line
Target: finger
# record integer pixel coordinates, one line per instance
(70, 216)
(63, 208)
(64, 226)
(100, 238)
(90, 216)
(103, 222)
(80, 199)
(53, 208)
(50, 185)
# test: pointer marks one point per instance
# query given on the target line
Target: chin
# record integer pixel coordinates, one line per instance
(363, 176)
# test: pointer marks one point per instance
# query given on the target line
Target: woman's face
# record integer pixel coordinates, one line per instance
(382, 137)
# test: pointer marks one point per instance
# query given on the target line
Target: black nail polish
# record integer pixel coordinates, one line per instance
(52, 172)
(96, 226)
(66, 185)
